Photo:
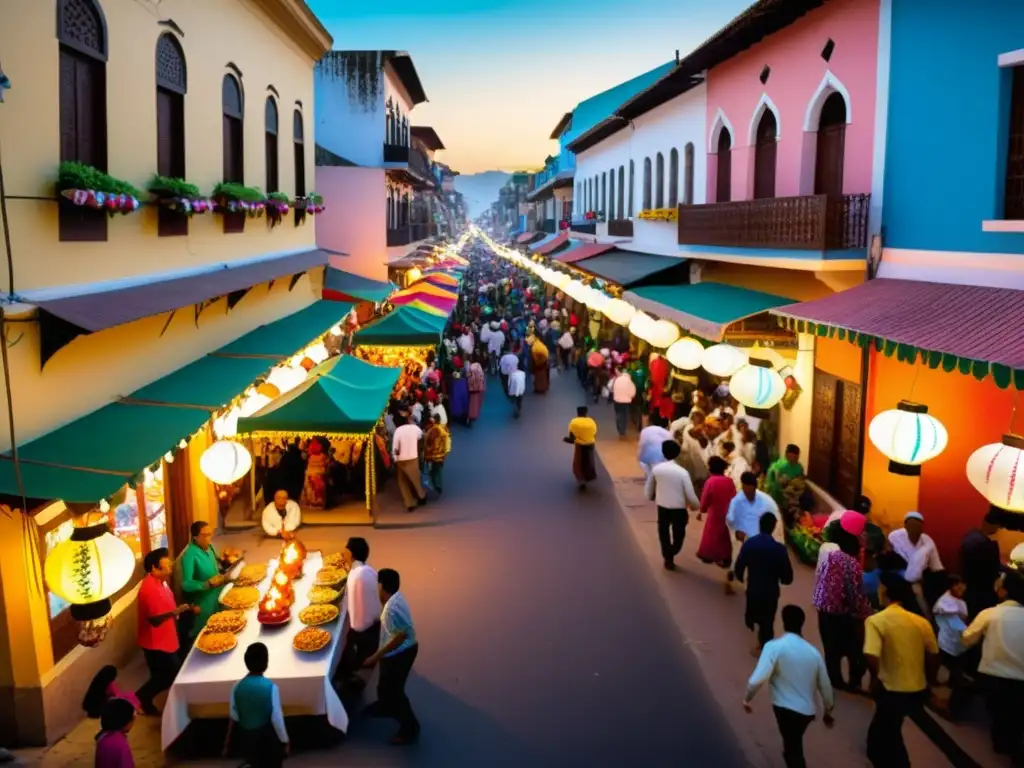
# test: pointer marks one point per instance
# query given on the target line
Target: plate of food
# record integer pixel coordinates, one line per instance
(312, 615)
(240, 598)
(233, 621)
(321, 594)
(215, 643)
(311, 639)
(336, 560)
(329, 577)
(273, 613)
(251, 575)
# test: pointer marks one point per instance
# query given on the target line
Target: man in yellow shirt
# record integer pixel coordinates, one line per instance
(902, 654)
(583, 434)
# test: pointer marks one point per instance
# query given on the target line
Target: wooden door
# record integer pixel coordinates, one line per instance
(723, 179)
(846, 455)
(831, 150)
(765, 154)
(834, 462)
(823, 410)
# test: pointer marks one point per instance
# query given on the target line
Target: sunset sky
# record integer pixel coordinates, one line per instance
(500, 73)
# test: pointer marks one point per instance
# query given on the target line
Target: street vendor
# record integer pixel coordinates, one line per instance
(282, 516)
(784, 470)
(201, 578)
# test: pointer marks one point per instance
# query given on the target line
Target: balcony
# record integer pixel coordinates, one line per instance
(812, 223)
(549, 226)
(620, 228)
(396, 153)
(399, 236)
(420, 167)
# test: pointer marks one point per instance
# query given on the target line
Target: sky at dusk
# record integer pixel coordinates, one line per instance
(500, 73)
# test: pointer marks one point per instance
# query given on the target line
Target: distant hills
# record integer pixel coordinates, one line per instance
(480, 189)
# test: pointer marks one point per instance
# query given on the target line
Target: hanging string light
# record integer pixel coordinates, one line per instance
(723, 360)
(686, 354)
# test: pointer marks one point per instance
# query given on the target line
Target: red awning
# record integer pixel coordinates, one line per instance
(529, 237)
(583, 251)
(545, 250)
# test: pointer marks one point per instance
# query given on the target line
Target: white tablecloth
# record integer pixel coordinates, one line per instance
(304, 679)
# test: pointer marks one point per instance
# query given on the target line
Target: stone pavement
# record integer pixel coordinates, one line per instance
(711, 625)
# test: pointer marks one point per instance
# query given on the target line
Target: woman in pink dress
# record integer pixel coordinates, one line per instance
(477, 384)
(716, 542)
(112, 750)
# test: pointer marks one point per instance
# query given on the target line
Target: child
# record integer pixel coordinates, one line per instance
(950, 613)
(112, 750)
(256, 710)
(103, 688)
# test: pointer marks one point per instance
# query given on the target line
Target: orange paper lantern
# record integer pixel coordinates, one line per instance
(268, 390)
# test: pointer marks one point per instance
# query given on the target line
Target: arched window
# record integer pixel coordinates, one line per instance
(234, 115)
(604, 192)
(647, 184)
(610, 210)
(723, 178)
(765, 156)
(831, 149)
(622, 191)
(270, 145)
(659, 188)
(688, 174)
(299, 140)
(171, 85)
(673, 178)
(82, 34)
(632, 184)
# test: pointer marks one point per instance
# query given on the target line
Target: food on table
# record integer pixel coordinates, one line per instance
(322, 594)
(230, 556)
(285, 594)
(272, 611)
(241, 598)
(251, 575)
(227, 621)
(293, 555)
(328, 577)
(336, 560)
(318, 614)
(216, 642)
(311, 639)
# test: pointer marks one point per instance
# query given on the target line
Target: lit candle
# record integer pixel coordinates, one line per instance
(274, 593)
(271, 605)
(280, 578)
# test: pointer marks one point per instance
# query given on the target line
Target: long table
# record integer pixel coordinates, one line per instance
(203, 686)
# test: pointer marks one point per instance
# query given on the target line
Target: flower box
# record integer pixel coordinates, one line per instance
(179, 196)
(87, 187)
(308, 205)
(229, 197)
(659, 214)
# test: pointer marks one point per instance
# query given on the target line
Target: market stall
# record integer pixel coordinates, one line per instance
(405, 338)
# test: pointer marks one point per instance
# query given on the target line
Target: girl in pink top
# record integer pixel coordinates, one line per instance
(112, 750)
(716, 542)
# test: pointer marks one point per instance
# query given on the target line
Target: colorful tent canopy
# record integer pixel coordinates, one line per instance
(343, 396)
(442, 279)
(405, 327)
(445, 306)
(345, 286)
(426, 308)
(428, 290)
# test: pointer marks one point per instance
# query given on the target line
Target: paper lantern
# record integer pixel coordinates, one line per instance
(757, 386)
(908, 437)
(226, 425)
(225, 461)
(286, 378)
(87, 569)
(997, 472)
(686, 354)
(641, 325)
(253, 403)
(317, 352)
(619, 312)
(723, 360)
(664, 334)
(268, 390)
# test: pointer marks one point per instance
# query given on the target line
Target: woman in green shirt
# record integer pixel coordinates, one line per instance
(201, 578)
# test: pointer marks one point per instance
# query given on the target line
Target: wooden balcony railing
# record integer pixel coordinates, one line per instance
(620, 228)
(396, 153)
(813, 222)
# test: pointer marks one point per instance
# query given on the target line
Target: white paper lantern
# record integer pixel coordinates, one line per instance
(757, 386)
(641, 325)
(997, 472)
(686, 354)
(225, 461)
(286, 378)
(908, 437)
(664, 334)
(226, 425)
(619, 312)
(87, 569)
(317, 352)
(723, 360)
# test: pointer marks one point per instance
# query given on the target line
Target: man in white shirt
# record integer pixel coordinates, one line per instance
(623, 391)
(281, 516)
(670, 488)
(363, 606)
(746, 508)
(1002, 663)
(924, 567)
(796, 673)
(406, 450)
(509, 362)
(516, 389)
(565, 345)
(495, 343)
(466, 342)
(649, 448)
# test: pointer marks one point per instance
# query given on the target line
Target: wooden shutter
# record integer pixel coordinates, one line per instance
(834, 461)
(688, 174)
(170, 155)
(659, 184)
(847, 453)
(823, 415)
(830, 152)
(83, 137)
(673, 178)
(270, 156)
(723, 178)
(765, 155)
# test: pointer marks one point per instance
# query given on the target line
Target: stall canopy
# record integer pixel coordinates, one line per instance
(93, 456)
(973, 329)
(557, 242)
(427, 303)
(582, 251)
(541, 243)
(705, 309)
(630, 268)
(443, 280)
(345, 286)
(343, 396)
(529, 237)
(404, 327)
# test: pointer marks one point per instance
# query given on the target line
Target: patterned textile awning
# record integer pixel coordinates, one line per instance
(975, 329)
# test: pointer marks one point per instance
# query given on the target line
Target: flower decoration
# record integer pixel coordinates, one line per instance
(229, 197)
(277, 207)
(88, 187)
(178, 195)
(660, 214)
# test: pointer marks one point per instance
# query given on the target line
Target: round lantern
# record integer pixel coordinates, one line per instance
(286, 378)
(641, 325)
(723, 360)
(268, 390)
(317, 352)
(225, 461)
(89, 568)
(908, 437)
(686, 354)
(997, 472)
(757, 386)
(619, 312)
(664, 334)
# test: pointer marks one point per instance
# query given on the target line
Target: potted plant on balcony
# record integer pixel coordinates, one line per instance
(308, 205)
(231, 197)
(277, 208)
(88, 187)
(178, 195)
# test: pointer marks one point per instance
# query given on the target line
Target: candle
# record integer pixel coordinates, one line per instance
(281, 578)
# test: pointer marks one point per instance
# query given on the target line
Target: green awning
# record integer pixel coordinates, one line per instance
(704, 309)
(210, 382)
(405, 327)
(288, 335)
(344, 396)
(345, 286)
(47, 483)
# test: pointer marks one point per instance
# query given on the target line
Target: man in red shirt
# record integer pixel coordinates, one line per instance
(158, 632)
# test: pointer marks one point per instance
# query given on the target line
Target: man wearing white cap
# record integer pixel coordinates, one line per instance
(916, 547)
